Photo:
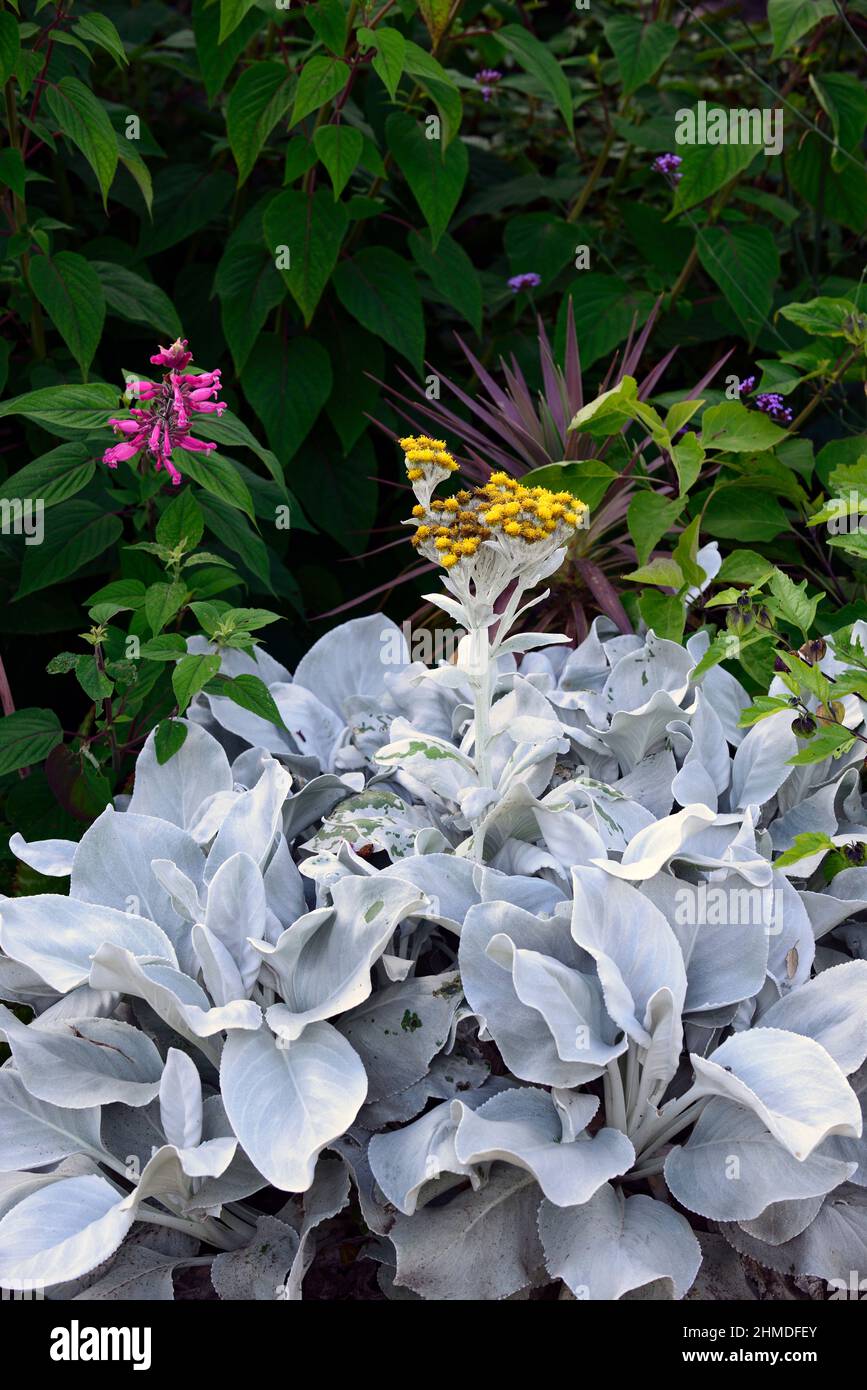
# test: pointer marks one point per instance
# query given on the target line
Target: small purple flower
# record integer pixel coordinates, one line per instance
(747, 386)
(771, 403)
(529, 280)
(668, 164)
(487, 80)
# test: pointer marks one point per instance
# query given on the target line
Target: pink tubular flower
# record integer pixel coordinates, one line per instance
(164, 424)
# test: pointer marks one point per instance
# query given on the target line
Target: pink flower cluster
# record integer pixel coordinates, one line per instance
(163, 425)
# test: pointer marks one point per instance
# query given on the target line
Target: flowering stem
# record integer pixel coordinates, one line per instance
(480, 656)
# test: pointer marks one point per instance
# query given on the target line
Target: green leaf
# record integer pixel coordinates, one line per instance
(132, 161)
(649, 517)
(340, 494)
(824, 317)
(168, 739)
(664, 613)
(235, 533)
(132, 297)
(830, 740)
(353, 393)
(228, 429)
(742, 513)
(329, 21)
(217, 56)
(74, 535)
(664, 571)
(125, 593)
(605, 309)
(181, 524)
(93, 682)
(439, 86)
(707, 168)
(162, 602)
(390, 47)
(842, 194)
(61, 408)
(186, 198)
(640, 48)
(53, 477)
(451, 273)
(168, 646)
(219, 476)
(190, 674)
(745, 567)
(339, 147)
(436, 15)
(258, 100)
(541, 242)
(744, 262)
(795, 606)
(98, 28)
(70, 292)
(251, 693)
(586, 479)
(232, 12)
(843, 98)
(287, 385)
(535, 59)
(12, 168)
(737, 430)
(320, 81)
(10, 45)
(27, 737)
(805, 845)
(436, 176)
(378, 289)
(762, 707)
(687, 457)
(790, 20)
(83, 120)
(310, 230)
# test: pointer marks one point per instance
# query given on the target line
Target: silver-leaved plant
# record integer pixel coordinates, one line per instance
(521, 947)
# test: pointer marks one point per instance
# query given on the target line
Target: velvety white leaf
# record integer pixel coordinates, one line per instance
(635, 950)
(613, 1244)
(760, 765)
(782, 1221)
(174, 791)
(830, 1247)
(790, 1082)
(257, 1271)
(404, 1160)
(534, 976)
(287, 1100)
(399, 1029)
(35, 1132)
(479, 1246)
(61, 1232)
(112, 866)
(174, 996)
(137, 1273)
(181, 1100)
(323, 962)
(58, 937)
(652, 848)
(353, 659)
(832, 1009)
(236, 912)
(731, 1168)
(85, 1062)
(50, 857)
(523, 1127)
(253, 821)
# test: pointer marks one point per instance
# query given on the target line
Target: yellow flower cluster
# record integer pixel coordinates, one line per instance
(454, 528)
(421, 450)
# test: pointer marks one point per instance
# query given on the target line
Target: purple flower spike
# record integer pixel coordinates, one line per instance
(529, 280)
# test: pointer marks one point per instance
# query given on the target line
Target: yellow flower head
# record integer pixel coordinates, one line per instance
(502, 510)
